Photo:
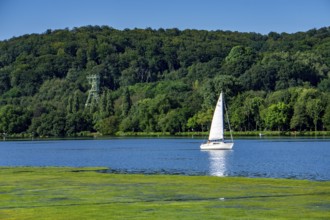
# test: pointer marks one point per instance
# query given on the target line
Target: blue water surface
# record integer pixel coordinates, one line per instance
(298, 158)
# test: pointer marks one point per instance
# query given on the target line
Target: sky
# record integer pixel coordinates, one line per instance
(19, 17)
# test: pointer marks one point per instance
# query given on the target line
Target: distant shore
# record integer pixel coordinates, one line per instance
(263, 134)
(235, 134)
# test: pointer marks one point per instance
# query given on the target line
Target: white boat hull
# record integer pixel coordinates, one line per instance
(217, 146)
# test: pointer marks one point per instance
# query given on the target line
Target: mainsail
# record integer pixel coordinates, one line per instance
(216, 132)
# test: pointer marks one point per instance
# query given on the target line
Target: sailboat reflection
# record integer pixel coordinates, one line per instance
(218, 162)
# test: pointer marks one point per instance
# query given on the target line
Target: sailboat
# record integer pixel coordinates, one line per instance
(216, 139)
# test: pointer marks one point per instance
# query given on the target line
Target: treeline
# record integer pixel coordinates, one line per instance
(164, 80)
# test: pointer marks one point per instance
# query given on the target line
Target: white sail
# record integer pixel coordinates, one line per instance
(216, 131)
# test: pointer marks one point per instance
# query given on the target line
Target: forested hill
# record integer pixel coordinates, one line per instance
(164, 80)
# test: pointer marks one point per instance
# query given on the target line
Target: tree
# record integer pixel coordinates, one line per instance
(259, 77)
(276, 116)
(326, 118)
(174, 121)
(106, 105)
(324, 85)
(201, 120)
(107, 126)
(299, 118)
(14, 119)
(252, 110)
(239, 60)
(237, 114)
(74, 103)
(314, 109)
(77, 122)
(127, 103)
(245, 110)
(81, 58)
(4, 81)
(307, 109)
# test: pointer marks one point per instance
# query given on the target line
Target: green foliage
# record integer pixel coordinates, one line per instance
(245, 111)
(326, 118)
(14, 119)
(127, 102)
(163, 80)
(201, 120)
(324, 85)
(239, 60)
(78, 122)
(107, 126)
(276, 116)
(314, 109)
(49, 124)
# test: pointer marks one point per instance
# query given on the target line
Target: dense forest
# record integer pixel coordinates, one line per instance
(164, 80)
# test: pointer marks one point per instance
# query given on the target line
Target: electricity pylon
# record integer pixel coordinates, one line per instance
(93, 94)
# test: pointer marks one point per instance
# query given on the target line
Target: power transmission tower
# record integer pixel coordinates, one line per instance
(93, 95)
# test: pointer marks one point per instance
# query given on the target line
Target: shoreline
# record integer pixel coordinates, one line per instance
(257, 134)
(110, 171)
(104, 170)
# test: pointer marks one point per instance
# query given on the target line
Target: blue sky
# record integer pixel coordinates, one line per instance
(18, 17)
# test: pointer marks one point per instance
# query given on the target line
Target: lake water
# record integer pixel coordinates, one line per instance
(277, 158)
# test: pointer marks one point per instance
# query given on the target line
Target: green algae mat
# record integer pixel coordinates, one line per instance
(84, 193)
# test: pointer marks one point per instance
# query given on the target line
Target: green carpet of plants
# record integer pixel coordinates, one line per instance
(83, 193)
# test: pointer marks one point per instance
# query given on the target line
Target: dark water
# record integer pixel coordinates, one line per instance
(277, 158)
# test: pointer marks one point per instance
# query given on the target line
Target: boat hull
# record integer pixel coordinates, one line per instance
(217, 146)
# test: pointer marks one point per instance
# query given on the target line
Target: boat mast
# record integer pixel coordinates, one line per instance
(231, 133)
